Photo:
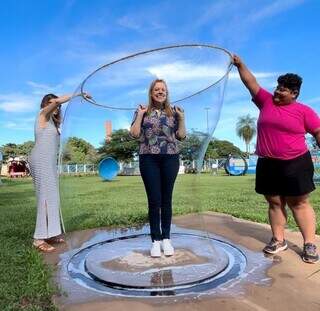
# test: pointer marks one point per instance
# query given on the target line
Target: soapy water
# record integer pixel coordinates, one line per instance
(84, 270)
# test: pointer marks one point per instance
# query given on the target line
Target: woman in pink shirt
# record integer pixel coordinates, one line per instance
(284, 172)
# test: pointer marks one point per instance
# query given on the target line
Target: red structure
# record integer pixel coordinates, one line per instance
(108, 126)
(18, 168)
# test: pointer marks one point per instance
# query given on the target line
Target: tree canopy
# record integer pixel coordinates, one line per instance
(216, 148)
(77, 150)
(15, 150)
(122, 147)
(223, 148)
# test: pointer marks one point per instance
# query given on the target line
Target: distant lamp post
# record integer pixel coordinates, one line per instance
(207, 113)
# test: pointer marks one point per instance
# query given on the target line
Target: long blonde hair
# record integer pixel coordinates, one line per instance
(167, 107)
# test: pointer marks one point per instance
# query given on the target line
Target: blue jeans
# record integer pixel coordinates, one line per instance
(159, 172)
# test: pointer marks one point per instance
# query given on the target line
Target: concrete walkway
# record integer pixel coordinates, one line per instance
(295, 285)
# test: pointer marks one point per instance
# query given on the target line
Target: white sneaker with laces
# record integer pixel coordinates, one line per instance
(167, 247)
(155, 249)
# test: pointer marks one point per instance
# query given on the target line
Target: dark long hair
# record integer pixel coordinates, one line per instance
(56, 117)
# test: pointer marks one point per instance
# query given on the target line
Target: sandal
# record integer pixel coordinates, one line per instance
(44, 247)
(56, 239)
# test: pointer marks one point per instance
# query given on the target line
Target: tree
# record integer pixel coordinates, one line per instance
(211, 153)
(246, 129)
(122, 147)
(189, 148)
(25, 148)
(9, 150)
(223, 148)
(77, 150)
(13, 150)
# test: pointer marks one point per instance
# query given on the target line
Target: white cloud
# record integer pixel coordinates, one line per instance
(25, 124)
(18, 103)
(138, 92)
(147, 21)
(258, 75)
(122, 123)
(42, 89)
(129, 22)
(216, 10)
(188, 78)
(93, 58)
(275, 8)
(180, 71)
(234, 22)
(314, 100)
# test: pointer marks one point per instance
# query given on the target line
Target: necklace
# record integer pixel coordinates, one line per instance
(158, 111)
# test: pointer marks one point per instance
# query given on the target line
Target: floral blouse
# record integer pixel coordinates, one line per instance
(158, 133)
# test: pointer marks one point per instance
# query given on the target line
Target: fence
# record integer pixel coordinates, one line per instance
(132, 168)
(78, 169)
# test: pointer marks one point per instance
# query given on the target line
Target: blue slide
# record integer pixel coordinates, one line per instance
(236, 165)
(108, 168)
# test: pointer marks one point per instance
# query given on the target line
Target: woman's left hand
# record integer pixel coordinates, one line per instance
(179, 111)
(86, 95)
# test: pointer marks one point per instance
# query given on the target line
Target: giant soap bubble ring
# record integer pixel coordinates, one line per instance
(196, 75)
(157, 50)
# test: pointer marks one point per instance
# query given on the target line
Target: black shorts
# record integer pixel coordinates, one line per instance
(292, 177)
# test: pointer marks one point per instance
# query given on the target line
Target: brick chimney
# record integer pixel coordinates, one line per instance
(108, 126)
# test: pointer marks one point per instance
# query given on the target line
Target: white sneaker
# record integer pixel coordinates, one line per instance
(167, 247)
(155, 249)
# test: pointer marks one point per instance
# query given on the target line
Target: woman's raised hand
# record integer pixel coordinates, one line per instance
(86, 95)
(142, 109)
(236, 60)
(179, 111)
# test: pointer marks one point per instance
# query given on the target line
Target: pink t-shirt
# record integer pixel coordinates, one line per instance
(282, 129)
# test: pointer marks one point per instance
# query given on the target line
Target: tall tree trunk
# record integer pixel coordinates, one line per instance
(247, 146)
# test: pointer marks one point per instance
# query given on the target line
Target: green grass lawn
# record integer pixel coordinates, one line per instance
(89, 203)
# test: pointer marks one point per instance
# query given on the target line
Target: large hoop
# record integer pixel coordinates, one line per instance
(92, 101)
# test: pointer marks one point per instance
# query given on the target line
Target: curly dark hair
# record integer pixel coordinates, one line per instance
(291, 81)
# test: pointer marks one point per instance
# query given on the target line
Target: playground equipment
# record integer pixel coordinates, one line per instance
(108, 168)
(1, 159)
(252, 163)
(236, 165)
(18, 167)
(315, 155)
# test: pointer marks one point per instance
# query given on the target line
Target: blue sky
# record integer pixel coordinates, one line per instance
(51, 46)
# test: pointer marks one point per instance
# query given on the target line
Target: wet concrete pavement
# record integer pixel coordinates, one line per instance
(294, 285)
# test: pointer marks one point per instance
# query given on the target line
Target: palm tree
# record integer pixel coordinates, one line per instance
(246, 129)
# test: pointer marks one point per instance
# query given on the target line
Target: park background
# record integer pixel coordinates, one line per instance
(51, 46)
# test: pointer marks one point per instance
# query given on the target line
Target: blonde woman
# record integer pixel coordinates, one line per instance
(158, 127)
